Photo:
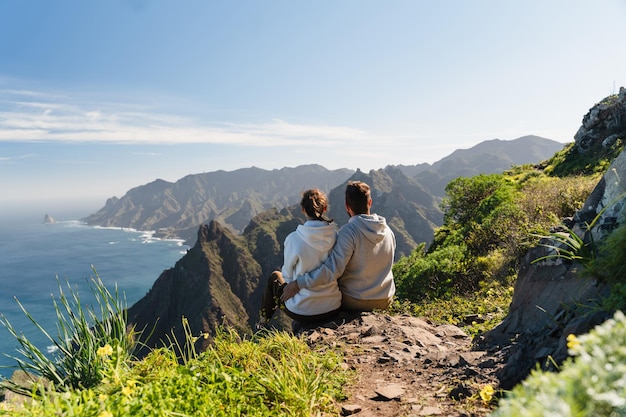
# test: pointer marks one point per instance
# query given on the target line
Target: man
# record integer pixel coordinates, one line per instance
(361, 259)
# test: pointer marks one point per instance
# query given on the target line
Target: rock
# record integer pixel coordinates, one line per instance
(349, 409)
(603, 123)
(390, 391)
(460, 391)
(47, 219)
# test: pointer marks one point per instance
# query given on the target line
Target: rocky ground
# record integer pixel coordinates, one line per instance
(406, 366)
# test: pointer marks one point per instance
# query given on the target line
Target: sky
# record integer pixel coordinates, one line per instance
(98, 97)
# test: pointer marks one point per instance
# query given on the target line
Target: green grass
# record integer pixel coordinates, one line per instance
(274, 374)
(94, 373)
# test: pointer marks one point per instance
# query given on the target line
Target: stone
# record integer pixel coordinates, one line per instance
(390, 391)
(350, 409)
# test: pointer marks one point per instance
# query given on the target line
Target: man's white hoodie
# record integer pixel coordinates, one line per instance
(305, 249)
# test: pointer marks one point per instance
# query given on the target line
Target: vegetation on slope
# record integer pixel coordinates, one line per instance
(489, 224)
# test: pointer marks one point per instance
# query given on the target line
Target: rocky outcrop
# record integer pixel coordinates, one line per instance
(219, 281)
(604, 124)
(552, 299)
(47, 219)
(214, 284)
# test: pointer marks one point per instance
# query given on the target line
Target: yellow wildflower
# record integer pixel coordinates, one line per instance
(572, 342)
(105, 413)
(486, 394)
(127, 390)
(105, 350)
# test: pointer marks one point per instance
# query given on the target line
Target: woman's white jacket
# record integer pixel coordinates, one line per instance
(305, 249)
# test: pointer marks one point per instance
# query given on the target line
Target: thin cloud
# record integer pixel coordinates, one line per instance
(40, 120)
(15, 158)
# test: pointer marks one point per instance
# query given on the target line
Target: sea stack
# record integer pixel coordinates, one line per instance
(48, 219)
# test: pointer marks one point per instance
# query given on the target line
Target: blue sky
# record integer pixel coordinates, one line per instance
(97, 97)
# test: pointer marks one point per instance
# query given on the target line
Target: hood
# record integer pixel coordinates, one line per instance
(320, 235)
(372, 226)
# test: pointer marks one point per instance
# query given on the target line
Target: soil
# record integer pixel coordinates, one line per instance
(406, 366)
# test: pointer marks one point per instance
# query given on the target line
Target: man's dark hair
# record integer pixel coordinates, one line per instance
(358, 196)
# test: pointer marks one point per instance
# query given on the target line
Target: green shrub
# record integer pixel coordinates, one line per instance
(489, 221)
(420, 276)
(592, 383)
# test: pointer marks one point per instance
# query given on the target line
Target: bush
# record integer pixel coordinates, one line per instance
(489, 222)
(593, 383)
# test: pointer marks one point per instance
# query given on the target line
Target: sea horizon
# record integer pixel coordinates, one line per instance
(35, 258)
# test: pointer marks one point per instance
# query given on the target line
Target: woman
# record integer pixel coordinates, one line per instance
(305, 249)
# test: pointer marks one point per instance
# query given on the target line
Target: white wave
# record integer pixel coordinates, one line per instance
(124, 229)
(51, 348)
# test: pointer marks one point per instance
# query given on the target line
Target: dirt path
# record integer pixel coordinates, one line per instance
(408, 367)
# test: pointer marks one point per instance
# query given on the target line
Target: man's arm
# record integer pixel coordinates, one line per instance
(330, 269)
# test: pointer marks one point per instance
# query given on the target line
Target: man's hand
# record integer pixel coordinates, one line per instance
(290, 290)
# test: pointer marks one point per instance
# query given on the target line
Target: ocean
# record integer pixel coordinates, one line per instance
(33, 254)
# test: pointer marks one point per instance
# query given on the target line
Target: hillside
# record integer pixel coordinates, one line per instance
(406, 365)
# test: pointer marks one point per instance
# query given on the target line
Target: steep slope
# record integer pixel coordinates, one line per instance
(207, 286)
(556, 297)
(231, 197)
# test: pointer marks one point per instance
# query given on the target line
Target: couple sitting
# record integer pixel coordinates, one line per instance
(326, 271)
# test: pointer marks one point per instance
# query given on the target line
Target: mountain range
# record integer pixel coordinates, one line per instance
(409, 196)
